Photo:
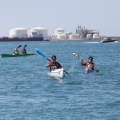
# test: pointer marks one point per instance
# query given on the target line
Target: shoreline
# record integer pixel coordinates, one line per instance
(39, 39)
(97, 39)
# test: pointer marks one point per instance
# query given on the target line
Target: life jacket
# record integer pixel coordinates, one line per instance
(55, 65)
(90, 65)
(88, 70)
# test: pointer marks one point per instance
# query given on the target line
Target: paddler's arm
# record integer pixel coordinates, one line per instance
(48, 65)
(82, 62)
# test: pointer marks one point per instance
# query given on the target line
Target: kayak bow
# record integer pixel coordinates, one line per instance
(58, 73)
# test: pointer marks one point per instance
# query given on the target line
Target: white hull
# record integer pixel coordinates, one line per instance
(59, 73)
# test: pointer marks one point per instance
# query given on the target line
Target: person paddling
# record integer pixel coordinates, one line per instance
(89, 65)
(24, 49)
(53, 64)
(16, 51)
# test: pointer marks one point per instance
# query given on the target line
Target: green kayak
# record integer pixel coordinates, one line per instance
(16, 55)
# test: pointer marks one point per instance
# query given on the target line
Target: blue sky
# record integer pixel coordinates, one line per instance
(102, 15)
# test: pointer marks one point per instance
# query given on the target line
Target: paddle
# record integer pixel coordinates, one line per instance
(19, 46)
(25, 45)
(42, 54)
(75, 54)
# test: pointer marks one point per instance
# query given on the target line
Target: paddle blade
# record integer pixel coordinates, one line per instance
(25, 46)
(66, 72)
(75, 54)
(40, 53)
(19, 46)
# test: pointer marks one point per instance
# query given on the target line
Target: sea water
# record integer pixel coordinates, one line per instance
(28, 93)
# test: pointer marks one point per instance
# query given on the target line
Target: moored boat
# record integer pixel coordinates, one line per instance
(17, 55)
(4, 39)
(58, 73)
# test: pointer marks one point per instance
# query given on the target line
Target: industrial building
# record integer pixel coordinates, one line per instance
(87, 33)
(18, 33)
(81, 33)
(28, 33)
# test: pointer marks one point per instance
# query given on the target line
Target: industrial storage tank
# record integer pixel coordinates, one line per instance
(38, 32)
(18, 32)
(54, 37)
(59, 31)
(34, 33)
(96, 36)
(61, 36)
(74, 36)
(89, 35)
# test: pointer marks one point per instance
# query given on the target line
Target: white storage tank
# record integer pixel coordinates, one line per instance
(74, 36)
(54, 37)
(34, 33)
(18, 32)
(38, 32)
(67, 35)
(61, 36)
(96, 36)
(89, 35)
(59, 31)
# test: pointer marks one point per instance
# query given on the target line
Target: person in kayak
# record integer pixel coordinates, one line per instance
(16, 51)
(54, 64)
(89, 65)
(24, 50)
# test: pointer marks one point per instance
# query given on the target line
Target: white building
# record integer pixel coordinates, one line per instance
(74, 36)
(37, 32)
(89, 35)
(59, 31)
(18, 32)
(59, 34)
(96, 36)
(27, 33)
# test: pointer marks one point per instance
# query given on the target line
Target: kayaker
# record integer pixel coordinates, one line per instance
(24, 50)
(89, 65)
(16, 51)
(54, 64)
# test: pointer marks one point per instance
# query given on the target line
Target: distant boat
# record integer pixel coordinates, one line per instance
(106, 40)
(3, 39)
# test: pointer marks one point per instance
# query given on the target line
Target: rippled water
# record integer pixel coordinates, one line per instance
(28, 93)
